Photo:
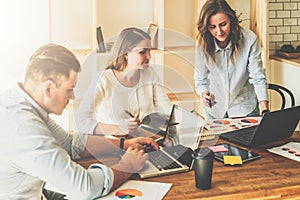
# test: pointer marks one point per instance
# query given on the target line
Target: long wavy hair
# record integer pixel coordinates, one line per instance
(126, 41)
(204, 37)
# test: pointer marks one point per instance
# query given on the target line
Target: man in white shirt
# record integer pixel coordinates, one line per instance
(35, 150)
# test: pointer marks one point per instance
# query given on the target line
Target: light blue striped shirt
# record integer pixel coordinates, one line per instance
(35, 150)
(238, 86)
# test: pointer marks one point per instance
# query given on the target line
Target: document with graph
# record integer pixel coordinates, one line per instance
(219, 126)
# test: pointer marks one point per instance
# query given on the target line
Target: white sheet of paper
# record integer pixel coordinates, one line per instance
(290, 150)
(150, 190)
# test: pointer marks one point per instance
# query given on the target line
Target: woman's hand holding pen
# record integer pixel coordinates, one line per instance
(133, 122)
(208, 99)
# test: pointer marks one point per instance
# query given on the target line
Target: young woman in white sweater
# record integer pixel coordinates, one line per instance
(127, 84)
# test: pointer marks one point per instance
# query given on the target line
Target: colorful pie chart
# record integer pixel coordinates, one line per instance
(128, 194)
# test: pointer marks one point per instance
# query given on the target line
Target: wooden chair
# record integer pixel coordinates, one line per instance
(283, 92)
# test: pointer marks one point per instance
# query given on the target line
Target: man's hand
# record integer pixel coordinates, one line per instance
(132, 161)
(140, 143)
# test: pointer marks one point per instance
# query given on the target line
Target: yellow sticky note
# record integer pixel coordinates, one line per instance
(232, 160)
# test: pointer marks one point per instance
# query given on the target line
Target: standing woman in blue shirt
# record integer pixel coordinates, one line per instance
(229, 76)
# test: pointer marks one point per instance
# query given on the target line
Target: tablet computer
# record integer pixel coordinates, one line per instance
(232, 150)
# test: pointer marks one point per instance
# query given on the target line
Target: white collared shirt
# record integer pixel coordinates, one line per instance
(237, 87)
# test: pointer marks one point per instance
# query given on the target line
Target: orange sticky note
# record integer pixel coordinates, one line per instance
(232, 160)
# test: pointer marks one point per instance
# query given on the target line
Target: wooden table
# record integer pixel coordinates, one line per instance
(270, 177)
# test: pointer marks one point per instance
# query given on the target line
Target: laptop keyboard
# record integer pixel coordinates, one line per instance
(246, 137)
(162, 161)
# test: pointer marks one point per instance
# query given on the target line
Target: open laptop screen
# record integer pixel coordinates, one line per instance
(185, 129)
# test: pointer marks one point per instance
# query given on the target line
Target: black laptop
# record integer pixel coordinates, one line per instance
(274, 126)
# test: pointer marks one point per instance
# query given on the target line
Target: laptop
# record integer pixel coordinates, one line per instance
(274, 126)
(177, 143)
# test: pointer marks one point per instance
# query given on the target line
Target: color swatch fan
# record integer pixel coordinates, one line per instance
(218, 126)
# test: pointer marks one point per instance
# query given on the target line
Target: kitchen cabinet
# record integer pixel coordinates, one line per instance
(286, 74)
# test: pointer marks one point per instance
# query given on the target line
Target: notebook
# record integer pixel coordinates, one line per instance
(274, 126)
(181, 137)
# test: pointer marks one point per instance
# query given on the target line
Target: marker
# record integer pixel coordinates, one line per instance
(209, 100)
(128, 113)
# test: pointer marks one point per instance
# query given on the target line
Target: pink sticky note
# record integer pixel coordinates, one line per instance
(219, 148)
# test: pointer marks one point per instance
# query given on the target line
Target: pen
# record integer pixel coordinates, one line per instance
(128, 113)
(209, 100)
(173, 123)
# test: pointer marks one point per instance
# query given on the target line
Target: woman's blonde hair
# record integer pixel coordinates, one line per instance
(126, 41)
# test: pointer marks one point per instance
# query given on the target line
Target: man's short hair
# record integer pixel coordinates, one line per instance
(50, 62)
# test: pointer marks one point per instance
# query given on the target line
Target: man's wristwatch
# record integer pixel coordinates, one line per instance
(122, 140)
